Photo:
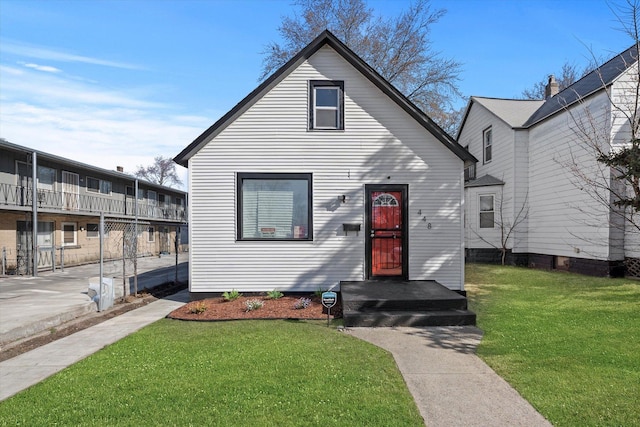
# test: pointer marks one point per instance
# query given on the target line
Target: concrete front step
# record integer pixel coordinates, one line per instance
(408, 318)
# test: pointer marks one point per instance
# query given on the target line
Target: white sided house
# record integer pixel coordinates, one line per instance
(324, 173)
(536, 173)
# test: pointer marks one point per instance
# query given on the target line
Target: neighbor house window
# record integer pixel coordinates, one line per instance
(46, 178)
(487, 211)
(274, 206)
(326, 104)
(93, 230)
(98, 185)
(151, 234)
(69, 234)
(487, 143)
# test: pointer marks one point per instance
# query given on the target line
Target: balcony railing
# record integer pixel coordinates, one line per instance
(14, 195)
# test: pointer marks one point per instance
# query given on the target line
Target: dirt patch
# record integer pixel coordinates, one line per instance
(212, 309)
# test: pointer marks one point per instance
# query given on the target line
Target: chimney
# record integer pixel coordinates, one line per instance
(119, 168)
(552, 88)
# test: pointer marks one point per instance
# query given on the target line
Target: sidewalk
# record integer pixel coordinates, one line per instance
(449, 383)
(30, 368)
(32, 305)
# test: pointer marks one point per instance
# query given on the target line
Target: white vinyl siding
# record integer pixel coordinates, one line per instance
(503, 166)
(381, 144)
(563, 220)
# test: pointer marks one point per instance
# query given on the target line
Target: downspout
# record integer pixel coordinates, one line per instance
(34, 222)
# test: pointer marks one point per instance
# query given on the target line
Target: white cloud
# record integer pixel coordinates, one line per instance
(45, 68)
(38, 52)
(92, 124)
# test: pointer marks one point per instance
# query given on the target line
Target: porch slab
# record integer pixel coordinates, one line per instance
(403, 303)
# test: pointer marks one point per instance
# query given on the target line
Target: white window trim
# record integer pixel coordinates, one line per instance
(493, 210)
(489, 131)
(338, 86)
(75, 233)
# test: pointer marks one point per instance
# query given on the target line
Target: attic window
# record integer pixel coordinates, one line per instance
(326, 105)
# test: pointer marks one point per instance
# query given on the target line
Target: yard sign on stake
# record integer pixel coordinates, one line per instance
(329, 300)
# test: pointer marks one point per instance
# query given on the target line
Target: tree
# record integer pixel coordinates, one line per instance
(506, 226)
(162, 172)
(398, 48)
(567, 76)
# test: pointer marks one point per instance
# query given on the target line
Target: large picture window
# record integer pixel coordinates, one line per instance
(326, 99)
(274, 206)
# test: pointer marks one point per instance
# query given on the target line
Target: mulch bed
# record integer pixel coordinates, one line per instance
(214, 309)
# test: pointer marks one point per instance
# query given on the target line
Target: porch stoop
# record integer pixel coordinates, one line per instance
(403, 303)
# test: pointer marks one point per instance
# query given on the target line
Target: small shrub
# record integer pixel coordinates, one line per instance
(302, 303)
(319, 292)
(230, 296)
(197, 308)
(253, 304)
(275, 294)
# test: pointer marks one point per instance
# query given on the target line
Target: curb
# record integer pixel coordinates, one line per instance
(42, 325)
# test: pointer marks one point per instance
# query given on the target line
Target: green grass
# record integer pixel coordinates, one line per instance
(246, 373)
(570, 344)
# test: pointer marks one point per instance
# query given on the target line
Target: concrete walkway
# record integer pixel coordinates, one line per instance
(450, 384)
(30, 368)
(32, 305)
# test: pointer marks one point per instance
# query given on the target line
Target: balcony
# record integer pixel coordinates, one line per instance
(20, 197)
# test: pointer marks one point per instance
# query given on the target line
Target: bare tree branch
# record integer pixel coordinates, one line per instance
(162, 172)
(398, 48)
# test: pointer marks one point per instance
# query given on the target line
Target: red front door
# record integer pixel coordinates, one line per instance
(387, 245)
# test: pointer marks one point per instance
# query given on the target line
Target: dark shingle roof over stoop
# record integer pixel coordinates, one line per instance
(483, 181)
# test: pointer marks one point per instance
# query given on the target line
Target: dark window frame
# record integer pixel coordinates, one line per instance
(313, 84)
(241, 176)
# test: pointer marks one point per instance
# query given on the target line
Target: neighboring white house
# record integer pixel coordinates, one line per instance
(525, 180)
(324, 173)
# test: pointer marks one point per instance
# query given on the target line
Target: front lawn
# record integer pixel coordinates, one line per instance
(241, 373)
(570, 344)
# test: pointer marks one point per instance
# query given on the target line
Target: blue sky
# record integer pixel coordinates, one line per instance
(115, 83)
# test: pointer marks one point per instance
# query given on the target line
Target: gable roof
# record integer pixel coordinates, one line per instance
(593, 82)
(524, 113)
(325, 38)
(513, 112)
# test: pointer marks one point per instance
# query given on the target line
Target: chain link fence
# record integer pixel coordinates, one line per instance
(123, 242)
